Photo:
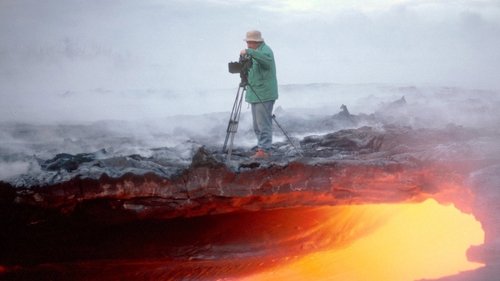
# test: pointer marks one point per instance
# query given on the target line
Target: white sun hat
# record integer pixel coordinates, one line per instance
(254, 36)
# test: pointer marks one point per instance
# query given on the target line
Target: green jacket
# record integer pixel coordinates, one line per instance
(263, 85)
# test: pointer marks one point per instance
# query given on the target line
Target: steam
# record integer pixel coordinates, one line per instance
(81, 76)
(87, 61)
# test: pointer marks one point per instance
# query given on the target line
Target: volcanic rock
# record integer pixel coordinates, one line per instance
(151, 205)
(354, 165)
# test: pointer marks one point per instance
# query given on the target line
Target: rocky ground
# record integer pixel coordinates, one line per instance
(71, 201)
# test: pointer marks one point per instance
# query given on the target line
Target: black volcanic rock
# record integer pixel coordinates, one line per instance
(344, 166)
(203, 158)
(353, 141)
(67, 162)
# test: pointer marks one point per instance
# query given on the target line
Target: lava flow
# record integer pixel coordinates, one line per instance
(407, 241)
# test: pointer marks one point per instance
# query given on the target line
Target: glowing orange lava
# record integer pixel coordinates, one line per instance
(409, 242)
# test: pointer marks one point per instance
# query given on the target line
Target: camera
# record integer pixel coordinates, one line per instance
(242, 66)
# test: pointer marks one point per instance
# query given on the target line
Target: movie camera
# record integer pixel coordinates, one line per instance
(242, 67)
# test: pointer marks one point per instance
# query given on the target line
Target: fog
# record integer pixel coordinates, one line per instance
(85, 61)
(127, 76)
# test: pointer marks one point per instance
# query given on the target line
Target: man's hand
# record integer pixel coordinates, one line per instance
(243, 52)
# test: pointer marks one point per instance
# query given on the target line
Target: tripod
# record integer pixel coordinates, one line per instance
(234, 119)
(242, 68)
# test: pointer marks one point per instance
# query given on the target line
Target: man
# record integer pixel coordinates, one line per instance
(262, 90)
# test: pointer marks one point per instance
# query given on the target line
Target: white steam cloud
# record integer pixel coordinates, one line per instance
(127, 76)
(73, 61)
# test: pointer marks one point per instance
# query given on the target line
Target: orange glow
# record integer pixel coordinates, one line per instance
(399, 242)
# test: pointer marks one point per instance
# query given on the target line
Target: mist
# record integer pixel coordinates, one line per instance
(85, 61)
(127, 76)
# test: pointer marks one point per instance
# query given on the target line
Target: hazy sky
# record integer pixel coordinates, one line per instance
(51, 49)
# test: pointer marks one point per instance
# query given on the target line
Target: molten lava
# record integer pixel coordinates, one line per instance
(350, 242)
(410, 242)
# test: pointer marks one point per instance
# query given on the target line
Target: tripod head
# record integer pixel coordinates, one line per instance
(242, 67)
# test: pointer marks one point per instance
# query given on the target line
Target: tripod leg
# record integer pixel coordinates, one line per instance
(232, 127)
(230, 149)
(232, 117)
